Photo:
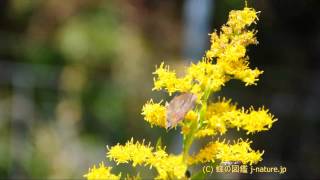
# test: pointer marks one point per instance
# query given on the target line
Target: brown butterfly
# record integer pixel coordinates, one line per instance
(178, 107)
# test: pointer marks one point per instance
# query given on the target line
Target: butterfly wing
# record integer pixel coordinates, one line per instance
(179, 107)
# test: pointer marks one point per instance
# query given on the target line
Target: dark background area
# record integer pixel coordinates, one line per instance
(75, 74)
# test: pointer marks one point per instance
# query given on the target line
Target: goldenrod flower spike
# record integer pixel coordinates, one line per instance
(225, 60)
(223, 115)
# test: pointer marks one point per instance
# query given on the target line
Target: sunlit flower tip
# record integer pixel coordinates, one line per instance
(241, 18)
(249, 76)
(154, 113)
(101, 173)
(257, 120)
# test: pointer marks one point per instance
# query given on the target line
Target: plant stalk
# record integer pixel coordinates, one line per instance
(188, 139)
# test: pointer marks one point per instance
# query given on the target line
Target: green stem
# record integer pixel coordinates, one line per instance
(188, 139)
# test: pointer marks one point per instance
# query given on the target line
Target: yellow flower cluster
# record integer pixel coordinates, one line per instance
(226, 152)
(191, 116)
(169, 81)
(140, 154)
(229, 47)
(101, 173)
(222, 115)
(199, 76)
(154, 113)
